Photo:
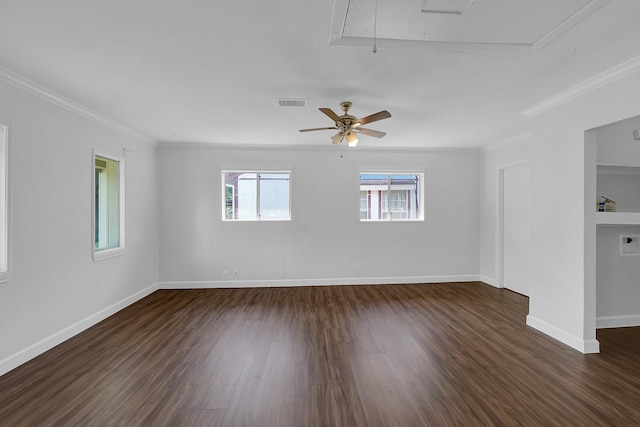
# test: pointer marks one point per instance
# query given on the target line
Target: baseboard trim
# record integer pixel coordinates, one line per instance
(618, 321)
(489, 281)
(51, 341)
(314, 282)
(583, 346)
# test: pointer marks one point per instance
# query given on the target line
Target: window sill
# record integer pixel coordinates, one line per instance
(257, 220)
(108, 253)
(393, 221)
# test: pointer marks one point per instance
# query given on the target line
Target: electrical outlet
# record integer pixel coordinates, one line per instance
(236, 273)
(629, 245)
(283, 273)
(225, 274)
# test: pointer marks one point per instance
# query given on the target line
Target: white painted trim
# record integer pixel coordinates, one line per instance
(612, 169)
(363, 170)
(122, 200)
(108, 253)
(324, 147)
(53, 340)
(618, 321)
(583, 346)
(499, 224)
(611, 75)
(223, 214)
(54, 98)
(489, 281)
(205, 284)
(617, 218)
(431, 44)
(565, 25)
(5, 169)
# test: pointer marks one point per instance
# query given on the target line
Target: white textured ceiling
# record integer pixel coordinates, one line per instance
(209, 71)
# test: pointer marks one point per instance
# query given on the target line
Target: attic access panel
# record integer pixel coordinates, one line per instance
(503, 25)
(445, 6)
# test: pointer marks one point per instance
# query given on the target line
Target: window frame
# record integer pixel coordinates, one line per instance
(99, 254)
(5, 211)
(388, 215)
(258, 217)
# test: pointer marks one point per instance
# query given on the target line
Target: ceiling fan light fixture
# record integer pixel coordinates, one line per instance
(349, 126)
(352, 139)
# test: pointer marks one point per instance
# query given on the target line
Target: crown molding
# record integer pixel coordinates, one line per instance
(174, 145)
(618, 72)
(430, 44)
(54, 98)
(587, 10)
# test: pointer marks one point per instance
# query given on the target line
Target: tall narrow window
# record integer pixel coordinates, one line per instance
(4, 203)
(256, 196)
(391, 196)
(108, 207)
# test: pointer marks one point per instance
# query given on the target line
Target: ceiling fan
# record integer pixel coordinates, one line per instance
(349, 126)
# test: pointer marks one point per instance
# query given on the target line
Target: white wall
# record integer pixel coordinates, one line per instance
(496, 157)
(563, 300)
(618, 277)
(56, 289)
(323, 243)
(616, 144)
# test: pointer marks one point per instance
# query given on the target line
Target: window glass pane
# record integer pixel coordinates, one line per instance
(364, 204)
(274, 196)
(247, 191)
(230, 200)
(371, 179)
(392, 196)
(384, 204)
(256, 196)
(107, 203)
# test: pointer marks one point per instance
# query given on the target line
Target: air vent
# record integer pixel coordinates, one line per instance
(101, 164)
(287, 102)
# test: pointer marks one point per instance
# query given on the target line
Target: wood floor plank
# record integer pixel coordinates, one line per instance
(450, 354)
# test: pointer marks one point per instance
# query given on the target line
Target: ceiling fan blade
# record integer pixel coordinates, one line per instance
(370, 132)
(314, 129)
(384, 114)
(329, 112)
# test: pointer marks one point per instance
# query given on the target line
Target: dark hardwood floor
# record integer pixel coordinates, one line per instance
(455, 354)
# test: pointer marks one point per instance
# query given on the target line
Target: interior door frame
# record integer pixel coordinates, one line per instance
(500, 219)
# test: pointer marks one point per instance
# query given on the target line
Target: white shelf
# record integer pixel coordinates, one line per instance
(618, 218)
(609, 169)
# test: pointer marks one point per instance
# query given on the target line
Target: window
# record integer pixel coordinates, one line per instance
(391, 196)
(254, 196)
(108, 207)
(4, 203)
